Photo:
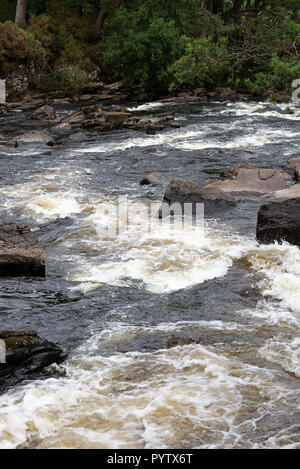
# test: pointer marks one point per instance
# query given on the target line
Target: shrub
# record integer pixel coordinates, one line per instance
(67, 80)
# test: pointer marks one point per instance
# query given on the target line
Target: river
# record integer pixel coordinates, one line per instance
(176, 339)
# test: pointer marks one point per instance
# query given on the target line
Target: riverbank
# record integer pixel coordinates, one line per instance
(120, 92)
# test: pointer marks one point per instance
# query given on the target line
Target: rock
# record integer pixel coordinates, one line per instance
(181, 191)
(292, 163)
(293, 166)
(25, 353)
(251, 180)
(233, 172)
(62, 129)
(297, 173)
(34, 137)
(17, 85)
(279, 221)
(107, 120)
(153, 179)
(45, 113)
(149, 124)
(225, 92)
(74, 119)
(290, 193)
(77, 137)
(20, 252)
(95, 117)
(199, 91)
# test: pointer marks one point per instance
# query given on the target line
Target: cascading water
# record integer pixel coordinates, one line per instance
(175, 339)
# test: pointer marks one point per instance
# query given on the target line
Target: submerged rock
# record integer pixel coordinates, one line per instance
(34, 137)
(246, 179)
(279, 221)
(23, 353)
(45, 113)
(180, 191)
(20, 253)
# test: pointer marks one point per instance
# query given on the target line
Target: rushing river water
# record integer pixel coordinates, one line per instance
(175, 339)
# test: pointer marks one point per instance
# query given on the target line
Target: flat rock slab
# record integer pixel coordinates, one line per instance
(20, 253)
(279, 221)
(291, 193)
(251, 180)
(33, 138)
(23, 353)
(180, 191)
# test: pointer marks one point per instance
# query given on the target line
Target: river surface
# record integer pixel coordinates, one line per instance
(176, 338)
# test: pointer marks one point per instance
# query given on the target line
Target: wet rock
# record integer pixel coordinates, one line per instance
(62, 129)
(180, 191)
(272, 107)
(153, 179)
(293, 167)
(75, 119)
(34, 137)
(233, 172)
(290, 193)
(107, 120)
(279, 221)
(246, 179)
(77, 137)
(25, 353)
(150, 124)
(45, 113)
(20, 253)
(94, 117)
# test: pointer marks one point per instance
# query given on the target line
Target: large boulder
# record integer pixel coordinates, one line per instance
(35, 137)
(279, 221)
(22, 353)
(246, 179)
(44, 113)
(180, 191)
(20, 253)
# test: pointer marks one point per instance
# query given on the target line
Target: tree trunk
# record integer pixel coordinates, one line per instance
(21, 11)
(101, 18)
(237, 6)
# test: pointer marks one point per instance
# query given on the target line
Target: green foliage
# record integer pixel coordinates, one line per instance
(141, 42)
(66, 80)
(205, 62)
(249, 45)
(19, 47)
(279, 77)
(254, 54)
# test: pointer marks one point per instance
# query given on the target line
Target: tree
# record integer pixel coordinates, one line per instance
(107, 7)
(21, 11)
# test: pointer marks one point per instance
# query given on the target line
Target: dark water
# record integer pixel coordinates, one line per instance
(175, 339)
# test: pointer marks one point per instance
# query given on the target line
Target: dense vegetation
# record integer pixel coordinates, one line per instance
(248, 45)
